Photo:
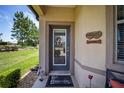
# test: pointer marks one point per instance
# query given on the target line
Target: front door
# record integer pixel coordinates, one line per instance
(59, 48)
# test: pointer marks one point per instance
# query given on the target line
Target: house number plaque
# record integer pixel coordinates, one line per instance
(94, 37)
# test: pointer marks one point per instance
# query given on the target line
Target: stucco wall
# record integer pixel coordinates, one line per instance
(59, 14)
(55, 14)
(88, 19)
(81, 75)
(42, 45)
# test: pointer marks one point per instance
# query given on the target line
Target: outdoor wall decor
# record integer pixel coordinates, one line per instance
(94, 37)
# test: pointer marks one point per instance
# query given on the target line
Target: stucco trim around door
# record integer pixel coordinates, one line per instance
(72, 49)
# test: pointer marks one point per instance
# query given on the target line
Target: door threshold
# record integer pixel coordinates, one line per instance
(60, 73)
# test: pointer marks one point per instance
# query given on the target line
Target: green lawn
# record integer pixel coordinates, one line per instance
(22, 59)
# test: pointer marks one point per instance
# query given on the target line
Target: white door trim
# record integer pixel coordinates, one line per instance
(65, 48)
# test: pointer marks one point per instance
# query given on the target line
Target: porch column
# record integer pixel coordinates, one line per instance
(42, 43)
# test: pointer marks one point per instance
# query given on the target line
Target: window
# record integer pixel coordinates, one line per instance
(119, 20)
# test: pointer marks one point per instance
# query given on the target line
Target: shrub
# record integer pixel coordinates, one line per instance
(11, 80)
(2, 81)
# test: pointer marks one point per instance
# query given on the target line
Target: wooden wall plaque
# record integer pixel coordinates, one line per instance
(94, 37)
(94, 41)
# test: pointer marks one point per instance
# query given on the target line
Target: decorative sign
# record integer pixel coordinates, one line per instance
(94, 41)
(93, 37)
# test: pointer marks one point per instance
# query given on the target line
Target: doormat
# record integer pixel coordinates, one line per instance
(59, 81)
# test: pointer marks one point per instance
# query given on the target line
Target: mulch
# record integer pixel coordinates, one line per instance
(28, 80)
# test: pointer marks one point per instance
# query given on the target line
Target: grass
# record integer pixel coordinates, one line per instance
(22, 59)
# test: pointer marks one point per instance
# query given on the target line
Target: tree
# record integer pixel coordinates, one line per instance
(24, 30)
(32, 35)
(1, 37)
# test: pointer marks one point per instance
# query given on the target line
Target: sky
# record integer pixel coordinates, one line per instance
(6, 19)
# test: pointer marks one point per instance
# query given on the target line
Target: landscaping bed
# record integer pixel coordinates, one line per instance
(28, 80)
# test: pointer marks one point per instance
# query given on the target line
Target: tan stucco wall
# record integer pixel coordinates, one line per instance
(42, 41)
(88, 19)
(81, 75)
(55, 14)
(59, 14)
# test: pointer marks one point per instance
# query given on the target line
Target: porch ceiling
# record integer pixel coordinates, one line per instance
(40, 10)
(68, 6)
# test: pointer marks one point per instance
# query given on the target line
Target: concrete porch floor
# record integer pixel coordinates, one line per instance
(42, 84)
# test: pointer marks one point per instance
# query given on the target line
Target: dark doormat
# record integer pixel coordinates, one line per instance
(59, 81)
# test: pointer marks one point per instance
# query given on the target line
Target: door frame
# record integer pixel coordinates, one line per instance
(72, 42)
